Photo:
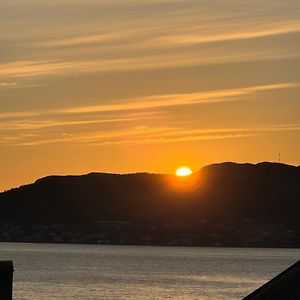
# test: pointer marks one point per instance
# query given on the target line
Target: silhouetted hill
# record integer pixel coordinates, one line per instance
(220, 199)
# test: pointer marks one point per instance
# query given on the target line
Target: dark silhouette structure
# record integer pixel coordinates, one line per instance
(6, 280)
(285, 286)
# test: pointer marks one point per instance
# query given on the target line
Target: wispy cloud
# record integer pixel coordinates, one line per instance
(146, 46)
(32, 68)
(157, 101)
(8, 84)
(180, 99)
(153, 135)
(144, 36)
(129, 111)
(180, 35)
(28, 128)
(78, 40)
(42, 124)
(265, 30)
(193, 135)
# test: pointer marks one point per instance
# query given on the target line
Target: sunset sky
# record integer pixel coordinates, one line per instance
(146, 85)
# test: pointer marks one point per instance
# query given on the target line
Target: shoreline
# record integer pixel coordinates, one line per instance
(152, 245)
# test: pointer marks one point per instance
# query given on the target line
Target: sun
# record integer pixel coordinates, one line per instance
(183, 171)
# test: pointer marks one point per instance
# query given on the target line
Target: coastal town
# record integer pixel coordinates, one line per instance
(201, 233)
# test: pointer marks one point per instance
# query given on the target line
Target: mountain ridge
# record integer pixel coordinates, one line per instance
(225, 197)
(228, 163)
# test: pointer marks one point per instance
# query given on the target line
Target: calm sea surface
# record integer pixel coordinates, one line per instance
(47, 271)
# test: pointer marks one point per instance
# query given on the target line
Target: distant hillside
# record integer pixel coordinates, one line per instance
(224, 196)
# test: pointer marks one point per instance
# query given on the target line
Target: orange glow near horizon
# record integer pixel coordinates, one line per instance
(183, 181)
(115, 92)
(183, 172)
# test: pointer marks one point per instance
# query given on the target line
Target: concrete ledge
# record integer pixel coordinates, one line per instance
(285, 286)
(6, 279)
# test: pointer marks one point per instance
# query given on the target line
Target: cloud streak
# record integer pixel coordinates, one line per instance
(140, 45)
(7, 84)
(145, 36)
(161, 101)
(141, 104)
(42, 124)
(154, 135)
(129, 111)
(32, 68)
(263, 31)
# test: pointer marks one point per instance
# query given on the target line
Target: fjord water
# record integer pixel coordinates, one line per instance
(60, 271)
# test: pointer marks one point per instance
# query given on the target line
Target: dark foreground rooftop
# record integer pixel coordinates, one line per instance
(285, 286)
